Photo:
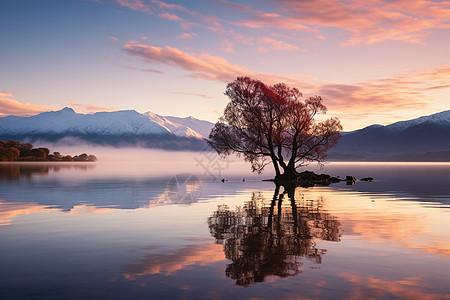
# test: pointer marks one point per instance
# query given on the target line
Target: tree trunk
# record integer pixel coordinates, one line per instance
(289, 174)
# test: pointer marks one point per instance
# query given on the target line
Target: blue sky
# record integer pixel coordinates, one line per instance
(372, 61)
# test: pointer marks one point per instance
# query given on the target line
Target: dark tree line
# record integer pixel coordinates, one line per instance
(16, 151)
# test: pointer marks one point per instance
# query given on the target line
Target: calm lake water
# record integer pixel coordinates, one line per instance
(168, 230)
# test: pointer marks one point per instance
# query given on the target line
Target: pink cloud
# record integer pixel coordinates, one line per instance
(210, 22)
(11, 106)
(113, 38)
(202, 65)
(267, 20)
(171, 17)
(165, 5)
(389, 95)
(187, 35)
(227, 46)
(367, 22)
(246, 40)
(278, 45)
(192, 94)
(403, 91)
(136, 5)
(372, 21)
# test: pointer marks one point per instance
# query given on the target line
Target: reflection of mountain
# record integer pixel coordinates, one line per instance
(120, 193)
(183, 189)
(264, 240)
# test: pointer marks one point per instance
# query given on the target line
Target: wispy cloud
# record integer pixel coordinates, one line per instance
(137, 5)
(147, 70)
(170, 17)
(372, 21)
(191, 18)
(277, 44)
(404, 91)
(227, 46)
(187, 35)
(10, 106)
(201, 65)
(192, 94)
(367, 21)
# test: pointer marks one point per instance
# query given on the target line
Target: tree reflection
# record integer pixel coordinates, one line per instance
(263, 239)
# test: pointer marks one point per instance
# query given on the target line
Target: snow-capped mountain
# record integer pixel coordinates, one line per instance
(200, 126)
(126, 127)
(68, 121)
(107, 123)
(440, 119)
(417, 136)
(176, 128)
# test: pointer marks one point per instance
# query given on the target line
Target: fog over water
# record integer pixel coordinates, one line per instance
(163, 162)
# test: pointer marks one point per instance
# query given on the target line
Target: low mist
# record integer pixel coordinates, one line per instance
(155, 162)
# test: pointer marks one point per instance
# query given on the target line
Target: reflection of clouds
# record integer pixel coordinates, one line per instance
(11, 210)
(379, 219)
(66, 192)
(86, 209)
(181, 189)
(8, 211)
(369, 287)
(400, 228)
(169, 263)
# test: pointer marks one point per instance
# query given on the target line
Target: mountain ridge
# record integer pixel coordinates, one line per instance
(413, 138)
(117, 128)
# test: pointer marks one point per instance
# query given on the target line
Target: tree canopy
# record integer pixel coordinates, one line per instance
(272, 124)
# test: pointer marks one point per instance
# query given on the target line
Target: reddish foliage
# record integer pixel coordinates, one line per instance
(272, 122)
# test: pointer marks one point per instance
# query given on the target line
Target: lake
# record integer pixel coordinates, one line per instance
(169, 228)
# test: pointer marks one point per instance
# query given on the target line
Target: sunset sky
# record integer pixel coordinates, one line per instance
(372, 61)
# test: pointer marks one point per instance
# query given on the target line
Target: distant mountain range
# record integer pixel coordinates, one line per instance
(423, 139)
(119, 128)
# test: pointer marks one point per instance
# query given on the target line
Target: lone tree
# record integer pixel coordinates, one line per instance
(271, 124)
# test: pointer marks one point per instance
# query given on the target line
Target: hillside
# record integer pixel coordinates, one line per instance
(423, 138)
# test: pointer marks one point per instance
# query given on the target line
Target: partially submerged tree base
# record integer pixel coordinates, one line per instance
(305, 179)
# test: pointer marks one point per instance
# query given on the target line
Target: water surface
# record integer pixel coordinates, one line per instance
(126, 231)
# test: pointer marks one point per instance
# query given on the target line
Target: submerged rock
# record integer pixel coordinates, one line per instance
(309, 179)
(368, 179)
(350, 180)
